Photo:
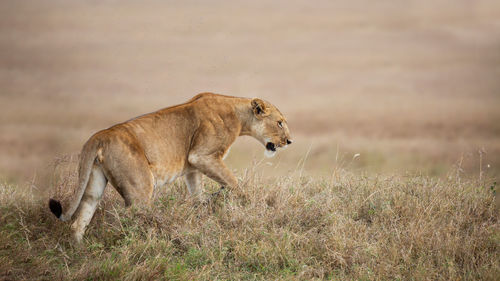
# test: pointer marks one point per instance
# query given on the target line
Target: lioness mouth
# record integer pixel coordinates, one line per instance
(270, 146)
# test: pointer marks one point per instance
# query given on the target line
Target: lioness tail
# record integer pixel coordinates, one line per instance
(55, 207)
(87, 158)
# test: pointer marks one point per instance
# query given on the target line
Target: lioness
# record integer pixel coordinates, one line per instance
(151, 150)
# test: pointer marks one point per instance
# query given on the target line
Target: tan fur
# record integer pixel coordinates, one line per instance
(187, 140)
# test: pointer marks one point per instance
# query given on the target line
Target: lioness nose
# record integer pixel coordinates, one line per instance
(289, 141)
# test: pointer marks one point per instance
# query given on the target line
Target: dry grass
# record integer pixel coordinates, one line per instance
(347, 227)
(410, 85)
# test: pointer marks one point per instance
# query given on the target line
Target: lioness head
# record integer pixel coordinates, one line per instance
(269, 126)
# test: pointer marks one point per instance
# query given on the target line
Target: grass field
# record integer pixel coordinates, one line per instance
(393, 108)
(410, 86)
(349, 227)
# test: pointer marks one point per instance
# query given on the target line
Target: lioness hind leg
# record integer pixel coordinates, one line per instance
(132, 178)
(127, 169)
(91, 197)
(136, 186)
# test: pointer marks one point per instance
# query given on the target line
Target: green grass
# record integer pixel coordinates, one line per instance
(347, 227)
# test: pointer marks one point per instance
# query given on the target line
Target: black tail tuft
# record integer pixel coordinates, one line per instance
(55, 207)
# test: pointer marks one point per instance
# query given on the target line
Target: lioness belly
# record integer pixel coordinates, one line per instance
(165, 176)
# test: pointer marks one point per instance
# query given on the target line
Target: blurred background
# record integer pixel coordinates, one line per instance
(410, 86)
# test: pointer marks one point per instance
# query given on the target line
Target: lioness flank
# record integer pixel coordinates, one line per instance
(152, 150)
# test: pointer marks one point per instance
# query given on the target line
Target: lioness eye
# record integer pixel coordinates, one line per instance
(280, 124)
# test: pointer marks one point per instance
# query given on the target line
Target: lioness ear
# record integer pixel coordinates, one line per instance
(259, 108)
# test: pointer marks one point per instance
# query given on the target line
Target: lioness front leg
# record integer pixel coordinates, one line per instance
(193, 183)
(214, 168)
